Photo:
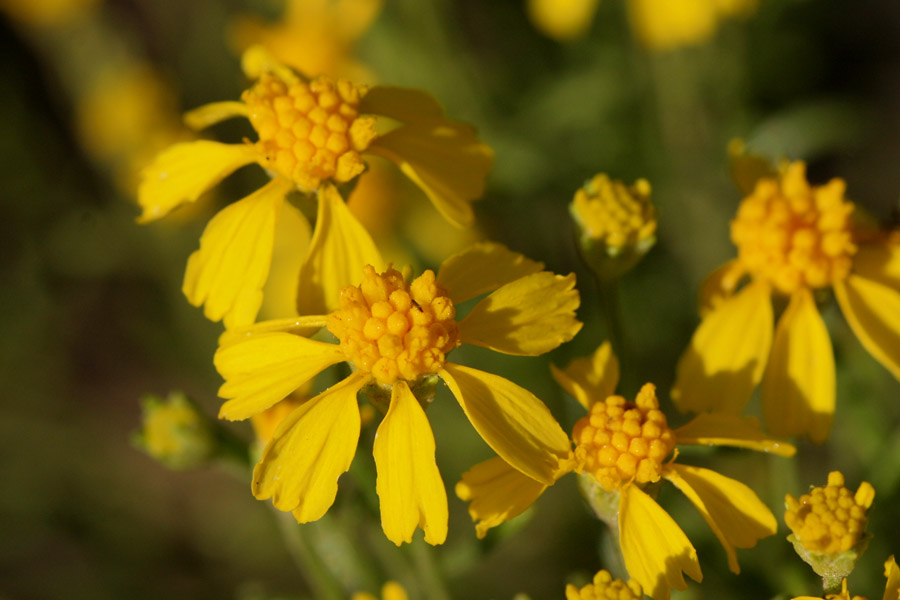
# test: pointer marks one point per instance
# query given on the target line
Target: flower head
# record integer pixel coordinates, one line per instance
(397, 336)
(794, 240)
(175, 432)
(604, 587)
(312, 135)
(620, 448)
(616, 224)
(389, 591)
(664, 25)
(829, 526)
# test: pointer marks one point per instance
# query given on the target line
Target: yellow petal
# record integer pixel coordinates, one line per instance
(228, 272)
(731, 509)
(526, 317)
(873, 311)
(311, 448)
(445, 160)
(727, 354)
(592, 378)
(511, 420)
(339, 250)
(406, 105)
(481, 268)
(496, 493)
(892, 572)
(183, 172)
(257, 60)
(798, 387)
(879, 262)
(262, 369)
(305, 326)
(292, 237)
(720, 285)
(655, 549)
(409, 484)
(719, 429)
(216, 112)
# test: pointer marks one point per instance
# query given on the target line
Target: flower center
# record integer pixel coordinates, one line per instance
(310, 131)
(604, 587)
(395, 330)
(620, 441)
(614, 214)
(795, 235)
(829, 519)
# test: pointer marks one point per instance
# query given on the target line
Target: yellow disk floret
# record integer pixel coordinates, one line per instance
(620, 441)
(830, 519)
(795, 235)
(395, 330)
(604, 587)
(620, 217)
(309, 132)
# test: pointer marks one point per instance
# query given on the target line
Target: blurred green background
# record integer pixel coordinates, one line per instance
(92, 318)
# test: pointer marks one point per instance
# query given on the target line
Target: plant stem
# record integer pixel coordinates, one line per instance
(612, 316)
(309, 563)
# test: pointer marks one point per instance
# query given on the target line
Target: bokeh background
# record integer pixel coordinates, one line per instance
(92, 318)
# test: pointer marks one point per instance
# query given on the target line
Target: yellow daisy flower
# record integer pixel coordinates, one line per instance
(620, 447)
(664, 25)
(891, 588)
(311, 136)
(396, 337)
(795, 241)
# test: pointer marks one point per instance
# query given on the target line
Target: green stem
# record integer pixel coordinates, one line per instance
(832, 584)
(610, 305)
(428, 572)
(309, 563)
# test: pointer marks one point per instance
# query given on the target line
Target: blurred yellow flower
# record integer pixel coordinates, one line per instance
(311, 136)
(668, 24)
(622, 446)
(794, 240)
(563, 20)
(605, 587)
(175, 432)
(315, 37)
(46, 13)
(396, 335)
(891, 588)
(389, 591)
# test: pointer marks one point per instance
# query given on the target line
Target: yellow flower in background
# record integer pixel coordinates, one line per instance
(664, 25)
(891, 588)
(311, 137)
(622, 447)
(616, 224)
(125, 117)
(46, 13)
(794, 241)
(175, 431)
(562, 20)
(605, 587)
(397, 335)
(389, 591)
(314, 37)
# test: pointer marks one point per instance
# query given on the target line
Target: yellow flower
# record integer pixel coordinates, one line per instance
(175, 432)
(668, 24)
(794, 242)
(605, 587)
(315, 37)
(46, 13)
(563, 20)
(389, 591)
(616, 224)
(311, 137)
(621, 446)
(829, 526)
(396, 336)
(891, 588)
